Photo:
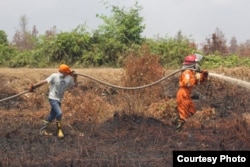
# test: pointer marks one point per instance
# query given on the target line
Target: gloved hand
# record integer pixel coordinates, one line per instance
(204, 75)
(31, 88)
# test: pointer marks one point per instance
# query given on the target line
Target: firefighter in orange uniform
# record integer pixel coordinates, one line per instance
(190, 76)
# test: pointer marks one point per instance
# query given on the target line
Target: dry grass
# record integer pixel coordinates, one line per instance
(108, 127)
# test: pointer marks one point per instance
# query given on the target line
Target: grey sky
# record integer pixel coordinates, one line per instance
(197, 19)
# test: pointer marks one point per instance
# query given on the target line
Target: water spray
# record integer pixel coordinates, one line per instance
(238, 82)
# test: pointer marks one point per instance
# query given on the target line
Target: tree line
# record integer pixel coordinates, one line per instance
(111, 43)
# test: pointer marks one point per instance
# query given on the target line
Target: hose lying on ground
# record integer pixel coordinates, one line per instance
(106, 83)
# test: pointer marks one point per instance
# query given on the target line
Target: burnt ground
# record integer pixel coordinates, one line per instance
(124, 139)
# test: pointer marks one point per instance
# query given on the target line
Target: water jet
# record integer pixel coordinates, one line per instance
(238, 82)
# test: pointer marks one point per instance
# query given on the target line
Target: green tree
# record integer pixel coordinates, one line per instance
(124, 25)
(119, 31)
(3, 38)
(171, 50)
(67, 47)
(6, 51)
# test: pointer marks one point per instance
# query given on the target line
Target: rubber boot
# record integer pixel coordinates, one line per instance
(59, 130)
(43, 130)
(175, 120)
(180, 124)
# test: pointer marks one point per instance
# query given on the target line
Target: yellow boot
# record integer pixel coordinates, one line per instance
(59, 130)
(43, 130)
(180, 124)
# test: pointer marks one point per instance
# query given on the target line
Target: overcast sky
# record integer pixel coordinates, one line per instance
(197, 19)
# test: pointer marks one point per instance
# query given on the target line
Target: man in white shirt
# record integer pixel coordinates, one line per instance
(58, 84)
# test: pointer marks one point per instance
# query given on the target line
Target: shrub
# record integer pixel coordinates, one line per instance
(141, 70)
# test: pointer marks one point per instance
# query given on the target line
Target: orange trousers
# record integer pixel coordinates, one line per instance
(185, 105)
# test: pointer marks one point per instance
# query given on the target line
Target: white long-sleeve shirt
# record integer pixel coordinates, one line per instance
(58, 84)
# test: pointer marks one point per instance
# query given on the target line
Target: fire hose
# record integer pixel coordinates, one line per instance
(106, 83)
(130, 88)
(19, 94)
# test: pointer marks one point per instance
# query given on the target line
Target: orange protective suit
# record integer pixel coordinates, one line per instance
(187, 80)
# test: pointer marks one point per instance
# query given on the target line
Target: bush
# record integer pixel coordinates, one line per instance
(142, 70)
(215, 61)
(6, 54)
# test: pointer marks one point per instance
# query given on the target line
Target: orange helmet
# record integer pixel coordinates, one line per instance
(64, 68)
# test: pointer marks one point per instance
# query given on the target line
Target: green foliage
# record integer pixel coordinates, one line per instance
(124, 26)
(108, 46)
(6, 53)
(3, 38)
(93, 57)
(67, 47)
(171, 51)
(108, 51)
(215, 61)
(22, 59)
(5, 50)
(119, 31)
